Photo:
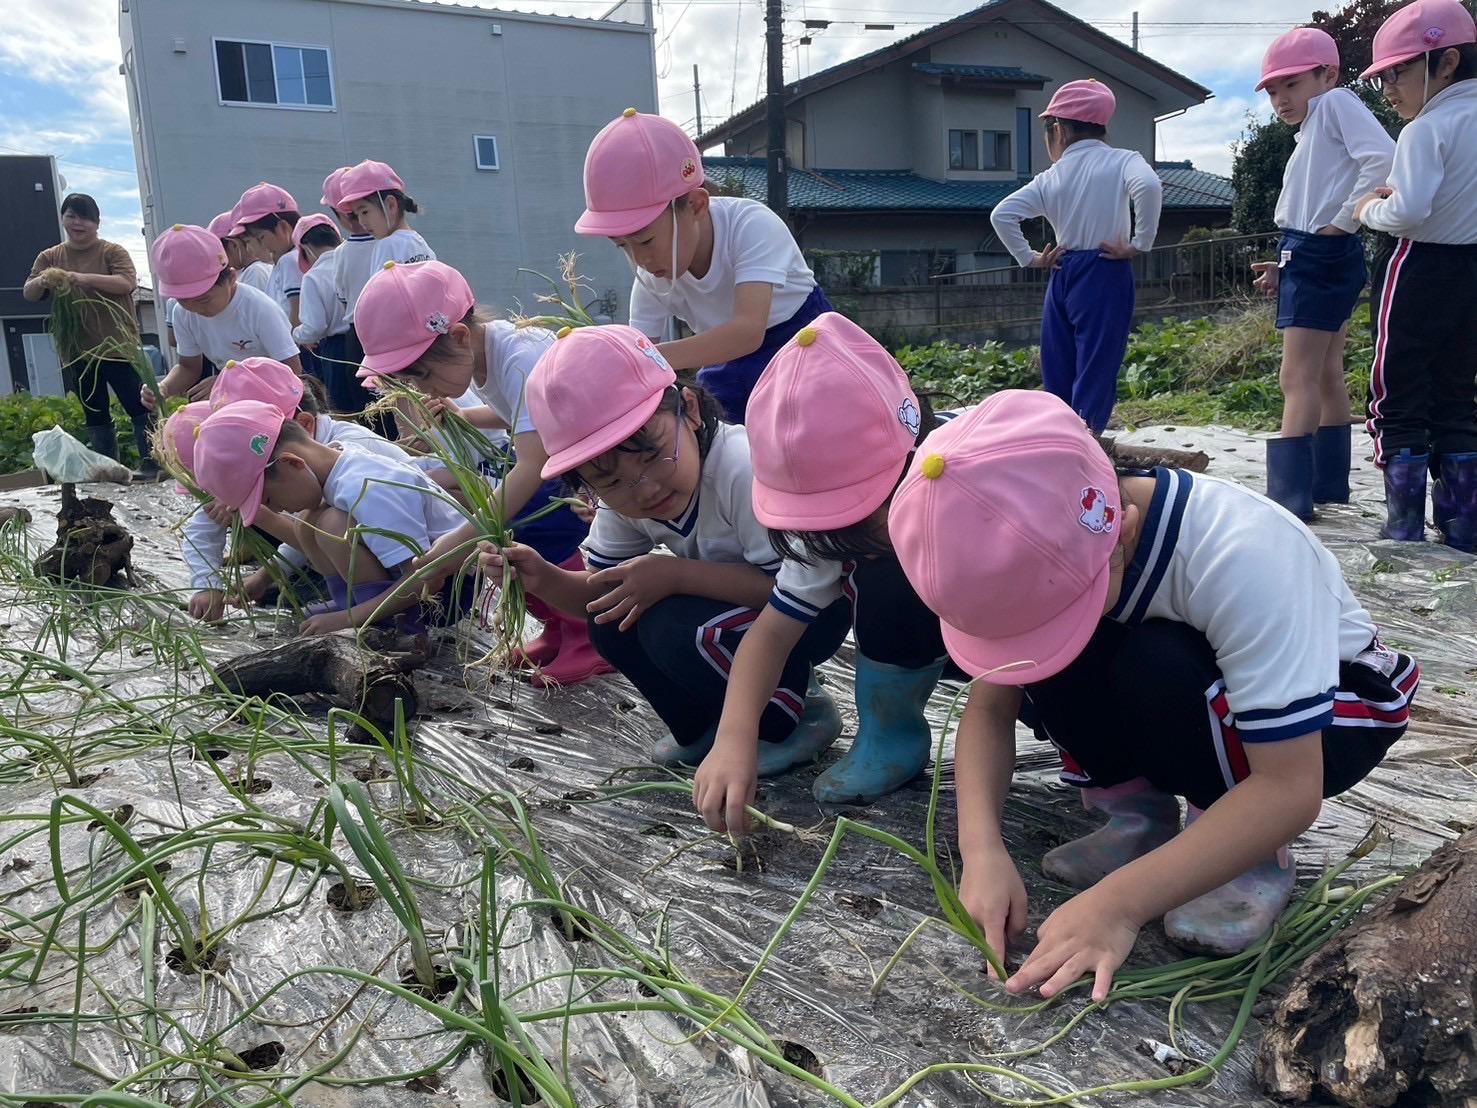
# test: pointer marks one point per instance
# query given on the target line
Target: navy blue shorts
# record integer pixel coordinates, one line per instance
(731, 382)
(1320, 279)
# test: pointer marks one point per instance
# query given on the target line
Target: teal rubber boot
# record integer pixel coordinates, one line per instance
(892, 738)
(667, 751)
(819, 727)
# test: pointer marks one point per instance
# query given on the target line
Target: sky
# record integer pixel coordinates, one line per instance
(61, 93)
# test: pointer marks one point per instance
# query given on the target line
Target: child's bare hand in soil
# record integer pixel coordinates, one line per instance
(208, 605)
(633, 588)
(325, 624)
(725, 786)
(1086, 935)
(993, 893)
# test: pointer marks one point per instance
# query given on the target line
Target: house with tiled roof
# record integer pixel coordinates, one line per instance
(903, 151)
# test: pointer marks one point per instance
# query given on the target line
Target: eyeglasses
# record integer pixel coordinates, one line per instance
(1391, 77)
(657, 471)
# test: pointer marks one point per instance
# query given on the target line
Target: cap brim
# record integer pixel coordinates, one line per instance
(1389, 62)
(604, 440)
(253, 502)
(1288, 71)
(389, 362)
(627, 221)
(824, 510)
(188, 291)
(1039, 653)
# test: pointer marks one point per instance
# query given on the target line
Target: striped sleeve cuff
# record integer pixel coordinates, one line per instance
(596, 560)
(1301, 717)
(787, 603)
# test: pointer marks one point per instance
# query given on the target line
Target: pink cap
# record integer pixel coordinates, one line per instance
(366, 179)
(260, 201)
(1086, 101)
(402, 310)
(304, 225)
(179, 435)
(331, 185)
(186, 261)
(234, 449)
(831, 422)
(223, 226)
(635, 167)
(592, 390)
(1005, 524)
(1298, 51)
(1418, 28)
(261, 379)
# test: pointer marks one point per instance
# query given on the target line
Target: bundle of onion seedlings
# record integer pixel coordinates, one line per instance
(68, 326)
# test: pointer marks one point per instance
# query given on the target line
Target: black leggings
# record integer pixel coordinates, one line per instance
(91, 382)
(680, 653)
(892, 625)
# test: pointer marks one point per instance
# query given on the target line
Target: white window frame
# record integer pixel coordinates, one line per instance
(497, 156)
(272, 44)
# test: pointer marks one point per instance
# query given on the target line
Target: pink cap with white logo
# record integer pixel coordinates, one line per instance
(187, 260)
(635, 167)
(831, 422)
(179, 437)
(262, 379)
(1005, 524)
(234, 449)
(403, 309)
(366, 179)
(1418, 28)
(1085, 101)
(304, 225)
(592, 390)
(223, 226)
(260, 201)
(1298, 51)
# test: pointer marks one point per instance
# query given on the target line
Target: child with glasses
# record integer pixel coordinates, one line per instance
(667, 471)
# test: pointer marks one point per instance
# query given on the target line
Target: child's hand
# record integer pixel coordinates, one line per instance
(1384, 192)
(1268, 277)
(219, 514)
(147, 399)
(253, 587)
(208, 605)
(325, 624)
(1118, 251)
(1087, 934)
(528, 565)
(1050, 258)
(200, 390)
(992, 892)
(634, 587)
(725, 785)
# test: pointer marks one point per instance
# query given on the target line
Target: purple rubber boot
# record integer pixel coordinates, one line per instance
(1140, 819)
(338, 598)
(1454, 500)
(1405, 497)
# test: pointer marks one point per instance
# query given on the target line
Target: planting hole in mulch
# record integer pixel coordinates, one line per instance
(175, 960)
(527, 1092)
(445, 982)
(255, 787)
(644, 989)
(119, 816)
(5, 942)
(338, 899)
(580, 795)
(426, 1083)
(865, 906)
(132, 890)
(263, 1057)
(211, 754)
(548, 728)
(88, 779)
(573, 928)
(523, 763)
(16, 865)
(660, 830)
(798, 1055)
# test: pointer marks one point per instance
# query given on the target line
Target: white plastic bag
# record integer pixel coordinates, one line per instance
(68, 462)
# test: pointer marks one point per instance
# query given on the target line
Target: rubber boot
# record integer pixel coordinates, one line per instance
(667, 751)
(1229, 919)
(104, 439)
(338, 597)
(148, 468)
(577, 660)
(1454, 500)
(892, 738)
(1140, 819)
(1290, 474)
(1405, 497)
(1332, 447)
(819, 727)
(544, 649)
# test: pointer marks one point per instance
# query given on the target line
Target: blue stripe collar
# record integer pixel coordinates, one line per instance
(684, 523)
(1158, 536)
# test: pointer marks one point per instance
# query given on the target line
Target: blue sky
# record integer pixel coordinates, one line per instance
(61, 94)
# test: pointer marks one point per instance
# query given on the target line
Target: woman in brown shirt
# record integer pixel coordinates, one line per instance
(97, 270)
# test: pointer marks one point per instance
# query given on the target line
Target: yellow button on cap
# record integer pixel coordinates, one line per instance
(805, 336)
(231, 363)
(562, 332)
(178, 227)
(933, 466)
(628, 113)
(389, 265)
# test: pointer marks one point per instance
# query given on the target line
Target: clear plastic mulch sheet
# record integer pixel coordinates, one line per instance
(290, 994)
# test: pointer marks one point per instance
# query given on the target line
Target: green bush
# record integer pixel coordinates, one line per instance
(968, 374)
(22, 415)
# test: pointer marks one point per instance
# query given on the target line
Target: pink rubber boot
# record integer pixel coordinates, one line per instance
(575, 658)
(1140, 819)
(544, 649)
(1231, 918)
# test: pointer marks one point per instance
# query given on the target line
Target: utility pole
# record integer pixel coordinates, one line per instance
(774, 51)
(1135, 30)
(697, 98)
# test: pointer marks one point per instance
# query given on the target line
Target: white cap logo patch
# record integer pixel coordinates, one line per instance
(437, 323)
(1098, 516)
(907, 415)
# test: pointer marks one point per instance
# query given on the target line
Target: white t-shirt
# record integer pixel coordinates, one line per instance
(320, 313)
(258, 275)
(1260, 587)
(286, 281)
(1085, 196)
(353, 263)
(719, 525)
(371, 489)
(750, 245)
(512, 352)
(251, 326)
(347, 434)
(400, 246)
(1435, 165)
(1342, 155)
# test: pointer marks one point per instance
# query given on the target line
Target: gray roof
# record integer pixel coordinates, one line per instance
(1001, 74)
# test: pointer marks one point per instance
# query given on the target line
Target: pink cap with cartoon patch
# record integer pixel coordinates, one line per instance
(592, 390)
(260, 201)
(366, 179)
(635, 167)
(1085, 101)
(233, 451)
(1005, 524)
(1418, 28)
(262, 379)
(403, 309)
(831, 423)
(186, 261)
(1298, 51)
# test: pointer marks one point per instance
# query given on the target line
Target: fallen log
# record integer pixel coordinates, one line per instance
(350, 675)
(1147, 457)
(91, 548)
(1384, 1012)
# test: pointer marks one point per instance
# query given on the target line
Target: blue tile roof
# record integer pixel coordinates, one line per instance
(1005, 74)
(843, 190)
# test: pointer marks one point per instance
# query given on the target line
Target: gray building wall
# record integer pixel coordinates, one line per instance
(413, 84)
(29, 222)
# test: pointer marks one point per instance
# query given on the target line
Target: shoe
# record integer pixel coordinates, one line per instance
(338, 597)
(1140, 819)
(1331, 452)
(577, 660)
(104, 440)
(819, 727)
(667, 751)
(1290, 474)
(1229, 919)
(892, 738)
(1454, 500)
(1405, 497)
(544, 649)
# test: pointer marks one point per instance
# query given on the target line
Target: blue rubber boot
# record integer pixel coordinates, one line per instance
(1405, 497)
(1290, 474)
(892, 739)
(819, 727)
(1332, 448)
(1454, 500)
(667, 751)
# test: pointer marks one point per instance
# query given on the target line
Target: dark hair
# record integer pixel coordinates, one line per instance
(315, 396)
(321, 236)
(291, 434)
(82, 206)
(857, 540)
(267, 222)
(223, 276)
(710, 412)
(1075, 128)
(408, 206)
(1466, 66)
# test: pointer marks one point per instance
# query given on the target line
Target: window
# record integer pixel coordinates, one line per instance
(964, 150)
(485, 148)
(1025, 132)
(265, 73)
(995, 148)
